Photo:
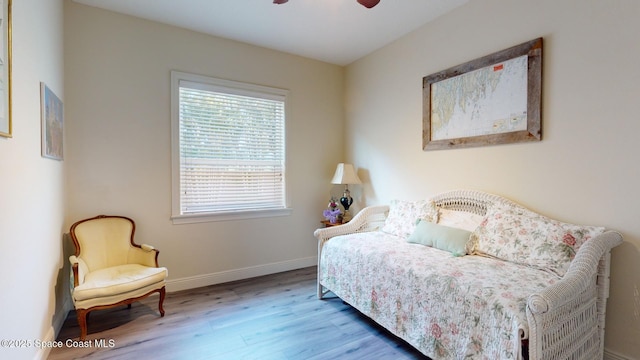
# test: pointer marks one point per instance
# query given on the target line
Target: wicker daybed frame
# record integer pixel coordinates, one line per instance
(566, 320)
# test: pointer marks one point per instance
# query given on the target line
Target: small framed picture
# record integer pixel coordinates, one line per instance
(5, 68)
(52, 123)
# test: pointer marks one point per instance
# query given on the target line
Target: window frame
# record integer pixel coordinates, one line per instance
(232, 87)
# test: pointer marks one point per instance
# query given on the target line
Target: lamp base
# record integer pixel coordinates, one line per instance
(346, 217)
(346, 202)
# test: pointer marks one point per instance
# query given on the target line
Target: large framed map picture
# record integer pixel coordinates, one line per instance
(487, 101)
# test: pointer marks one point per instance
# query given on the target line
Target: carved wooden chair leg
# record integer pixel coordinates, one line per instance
(162, 293)
(82, 322)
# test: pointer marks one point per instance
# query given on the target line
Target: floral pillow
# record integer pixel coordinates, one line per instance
(404, 215)
(522, 236)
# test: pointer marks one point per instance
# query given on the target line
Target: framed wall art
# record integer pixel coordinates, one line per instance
(52, 123)
(5, 71)
(487, 101)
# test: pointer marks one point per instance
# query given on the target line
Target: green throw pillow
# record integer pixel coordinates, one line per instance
(441, 237)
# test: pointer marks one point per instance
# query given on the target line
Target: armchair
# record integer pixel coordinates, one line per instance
(110, 269)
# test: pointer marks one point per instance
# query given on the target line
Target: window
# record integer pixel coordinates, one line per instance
(228, 149)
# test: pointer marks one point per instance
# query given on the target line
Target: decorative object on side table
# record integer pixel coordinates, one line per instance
(345, 174)
(333, 214)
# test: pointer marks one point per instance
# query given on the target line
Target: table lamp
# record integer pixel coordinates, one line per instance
(345, 175)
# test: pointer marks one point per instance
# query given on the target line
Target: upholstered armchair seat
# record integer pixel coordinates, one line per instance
(110, 269)
(122, 280)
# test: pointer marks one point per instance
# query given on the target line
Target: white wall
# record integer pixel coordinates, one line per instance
(32, 188)
(117, 77)
(586, 168)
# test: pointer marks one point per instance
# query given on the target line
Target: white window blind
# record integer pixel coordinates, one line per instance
(231, 147)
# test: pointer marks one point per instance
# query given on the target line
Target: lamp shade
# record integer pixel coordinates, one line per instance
(345, 174)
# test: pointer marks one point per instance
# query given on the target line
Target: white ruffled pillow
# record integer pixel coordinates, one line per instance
(459, 219)
(522, 236)
(404, 215)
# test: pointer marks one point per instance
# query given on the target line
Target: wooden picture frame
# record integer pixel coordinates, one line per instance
(52, 118)
(5, 71)
(492, 100)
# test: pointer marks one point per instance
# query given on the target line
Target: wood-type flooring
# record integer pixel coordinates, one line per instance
(270, 317)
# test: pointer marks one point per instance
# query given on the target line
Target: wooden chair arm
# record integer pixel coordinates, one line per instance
(144, 255)
(79, 269)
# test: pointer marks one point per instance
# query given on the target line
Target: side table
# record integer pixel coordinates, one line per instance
(327, 223)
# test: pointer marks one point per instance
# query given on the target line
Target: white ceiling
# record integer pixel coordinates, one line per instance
(335, 31)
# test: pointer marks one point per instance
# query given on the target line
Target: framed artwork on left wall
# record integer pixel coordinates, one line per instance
(5, 68)
(52, 116)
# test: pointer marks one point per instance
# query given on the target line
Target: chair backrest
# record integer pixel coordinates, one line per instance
(103, 241)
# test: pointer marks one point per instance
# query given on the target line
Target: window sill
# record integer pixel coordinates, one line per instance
(236, 215)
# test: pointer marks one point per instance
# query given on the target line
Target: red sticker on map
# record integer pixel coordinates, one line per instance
(498, 67)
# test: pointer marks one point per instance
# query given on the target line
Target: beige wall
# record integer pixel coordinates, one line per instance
(586, 168)
(115, 86)
(32, 188)
(118, 126)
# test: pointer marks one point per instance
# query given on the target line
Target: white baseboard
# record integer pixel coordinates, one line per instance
(54, 330)
(197, 281)
(610, 355)
(43, 353)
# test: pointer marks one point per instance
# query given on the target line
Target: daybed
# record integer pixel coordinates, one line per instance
(468, 274)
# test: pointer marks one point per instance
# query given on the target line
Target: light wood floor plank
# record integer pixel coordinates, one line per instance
(271, 317)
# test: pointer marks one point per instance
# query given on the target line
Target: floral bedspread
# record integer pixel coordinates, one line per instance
(447, 307)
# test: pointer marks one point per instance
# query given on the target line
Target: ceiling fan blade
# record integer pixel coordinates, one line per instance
(368, 3)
